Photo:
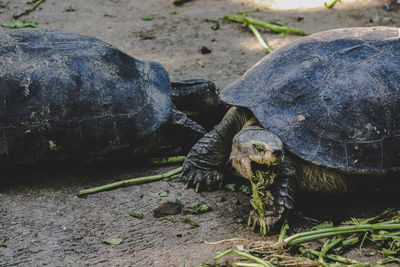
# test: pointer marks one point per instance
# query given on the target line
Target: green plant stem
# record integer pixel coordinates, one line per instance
(19, 25)
(350, 242)
(388, 260)
(331, 4)
(136, 215)
(251, 257)
(130, 182)
(245, 264)
(362, 241)
(330, 256)
(332, 244)
(258, 261)
(169, 160)
(284, 228)
(26, 12)
(376, 218)
(270, 26)
(275, 27)
(37, 3)
(259, 38)
(277, 23)
(222, 254)
(310, 238)
(321, 254)
(396, 220)
(328, 232)
(189, 221)
(327, 246)
(245, 12)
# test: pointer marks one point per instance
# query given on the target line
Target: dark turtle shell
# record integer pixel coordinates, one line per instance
(68, 95)
(332, 97)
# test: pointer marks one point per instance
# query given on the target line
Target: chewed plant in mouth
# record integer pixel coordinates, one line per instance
(260, 183)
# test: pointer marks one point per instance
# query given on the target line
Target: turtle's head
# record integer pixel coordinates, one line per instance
(256, 149)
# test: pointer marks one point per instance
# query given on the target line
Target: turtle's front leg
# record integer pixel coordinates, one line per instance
(279, 201)
(204, 166)
(206, 163)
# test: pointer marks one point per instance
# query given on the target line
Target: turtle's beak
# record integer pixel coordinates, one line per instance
(263, 160)
(243, 166)
(266, 155)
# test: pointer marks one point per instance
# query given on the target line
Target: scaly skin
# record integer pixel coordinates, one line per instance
(206, 163)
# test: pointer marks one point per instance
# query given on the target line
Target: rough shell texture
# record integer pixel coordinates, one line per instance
(67, 95)
(332, 97)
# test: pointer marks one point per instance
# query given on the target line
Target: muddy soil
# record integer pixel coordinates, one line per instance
(41, 216)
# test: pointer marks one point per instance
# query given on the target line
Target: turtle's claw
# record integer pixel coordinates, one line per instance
(271, 221)
(197, 188)
(253, 220)
(201, 178)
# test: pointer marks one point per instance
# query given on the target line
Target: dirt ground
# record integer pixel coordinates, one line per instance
(41, 216)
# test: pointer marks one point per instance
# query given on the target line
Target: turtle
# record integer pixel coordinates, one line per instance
(321, 114)
(65, 96)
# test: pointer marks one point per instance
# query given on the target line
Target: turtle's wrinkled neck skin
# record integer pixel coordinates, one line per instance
(312, 178)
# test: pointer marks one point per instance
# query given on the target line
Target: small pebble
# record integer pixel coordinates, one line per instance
(205, 50)
(168, 208)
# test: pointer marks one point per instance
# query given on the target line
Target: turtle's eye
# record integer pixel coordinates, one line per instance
(258, 148)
